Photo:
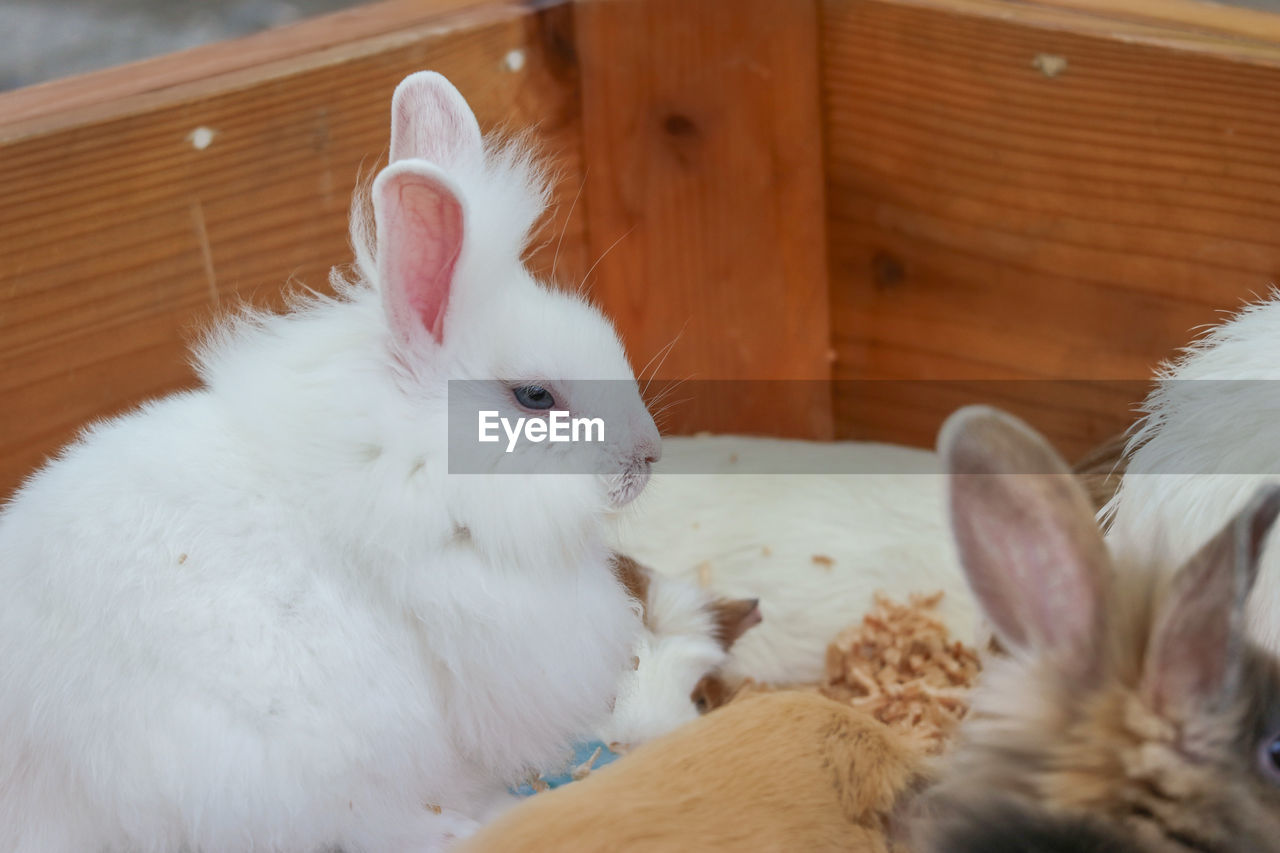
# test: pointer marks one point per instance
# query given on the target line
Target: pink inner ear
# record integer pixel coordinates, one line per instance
(420, 238)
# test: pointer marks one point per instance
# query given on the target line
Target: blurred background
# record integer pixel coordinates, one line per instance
(45, 39)
(943, 194)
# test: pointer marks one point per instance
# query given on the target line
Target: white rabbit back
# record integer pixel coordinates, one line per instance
(754, 535)
(1208, 442)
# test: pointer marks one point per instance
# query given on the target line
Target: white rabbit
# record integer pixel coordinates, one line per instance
(264, 614)
(687, 642)
(676, 671)
(1204, 448)
(813, 547)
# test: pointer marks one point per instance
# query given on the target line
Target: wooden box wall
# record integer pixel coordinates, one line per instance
(926, 201)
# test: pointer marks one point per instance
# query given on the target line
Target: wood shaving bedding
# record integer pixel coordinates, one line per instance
(577, 768)
(900, 665)
(704, 574)
(537, 782)
(584, 769)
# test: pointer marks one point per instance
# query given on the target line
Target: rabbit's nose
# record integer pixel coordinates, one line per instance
(651, 452)
(648, 444)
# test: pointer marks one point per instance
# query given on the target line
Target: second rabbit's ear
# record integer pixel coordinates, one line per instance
(420, 221)
(431, 121)
(1027, 538)
(1193, 660)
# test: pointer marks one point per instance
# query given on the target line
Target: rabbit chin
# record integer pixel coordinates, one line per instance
(626, 485)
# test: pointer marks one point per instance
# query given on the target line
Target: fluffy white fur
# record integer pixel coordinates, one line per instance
(262, 615)
(1190, 458)
(755, 536)
(677, 648)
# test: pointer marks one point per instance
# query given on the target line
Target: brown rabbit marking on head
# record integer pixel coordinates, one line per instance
(729, 619)
(1131, 701)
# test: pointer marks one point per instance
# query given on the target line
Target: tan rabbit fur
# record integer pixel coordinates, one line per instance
(785, 771)
(1127, 704)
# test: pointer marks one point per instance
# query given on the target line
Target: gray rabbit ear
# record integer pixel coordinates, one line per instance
(1027, 538)
(1194, 659)
(430, 120)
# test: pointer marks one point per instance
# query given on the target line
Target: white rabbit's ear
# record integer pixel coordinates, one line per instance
(420, 222)
(1027, 538)
(1194, 659)
(431, 121)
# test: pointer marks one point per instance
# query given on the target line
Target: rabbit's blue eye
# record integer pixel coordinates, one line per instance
(533, 397)
(1269, 758)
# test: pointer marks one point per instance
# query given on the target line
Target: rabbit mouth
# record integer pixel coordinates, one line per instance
(627, 486)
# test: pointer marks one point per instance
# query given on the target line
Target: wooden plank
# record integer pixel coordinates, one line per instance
(703, 161)
(1013, 196)
(1202, 26)
(129, 88)
(1190, 19)
(121, 236)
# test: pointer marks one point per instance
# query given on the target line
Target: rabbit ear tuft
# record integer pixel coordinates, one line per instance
(431, 121)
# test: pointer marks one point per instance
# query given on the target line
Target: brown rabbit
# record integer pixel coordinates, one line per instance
(786, 771)
(1131, 714)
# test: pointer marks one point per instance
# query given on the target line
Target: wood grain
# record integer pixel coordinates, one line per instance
(702, 142)
(121, 237)
(991, 221)
(995, 221)
(136, 86)
(1202, 26)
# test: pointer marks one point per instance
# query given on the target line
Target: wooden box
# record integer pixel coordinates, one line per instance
(908, 203)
